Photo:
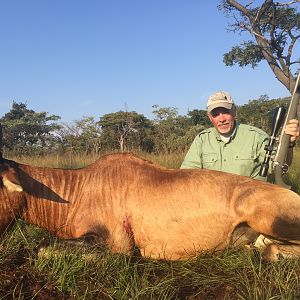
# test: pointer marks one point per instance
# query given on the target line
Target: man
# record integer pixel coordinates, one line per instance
(229, 146)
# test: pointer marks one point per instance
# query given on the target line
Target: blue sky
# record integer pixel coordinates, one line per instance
(76, 58)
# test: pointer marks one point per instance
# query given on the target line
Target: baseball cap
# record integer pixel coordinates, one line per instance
(219, 99)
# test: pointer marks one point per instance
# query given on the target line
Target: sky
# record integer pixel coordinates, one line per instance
(79, 58)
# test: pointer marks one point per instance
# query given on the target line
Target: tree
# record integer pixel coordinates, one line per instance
(259, 112)
(274, 27)
(199, 117)
(26, 131)
(125, 131)
(169, 130)
(83, 136)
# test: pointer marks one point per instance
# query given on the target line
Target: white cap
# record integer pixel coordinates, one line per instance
(219, 99)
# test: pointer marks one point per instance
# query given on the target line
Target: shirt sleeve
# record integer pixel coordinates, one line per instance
(262, 142)
(193, 158)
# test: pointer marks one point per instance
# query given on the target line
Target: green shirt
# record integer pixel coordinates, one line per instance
(242, 154)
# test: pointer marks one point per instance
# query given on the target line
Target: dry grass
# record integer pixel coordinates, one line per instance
(74, 161)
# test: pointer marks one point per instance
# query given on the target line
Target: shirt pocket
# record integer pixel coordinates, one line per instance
(209, 160)
(245, 162)
(244, 156)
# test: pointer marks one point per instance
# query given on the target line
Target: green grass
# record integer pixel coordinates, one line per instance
(67, 272)
(74, 273)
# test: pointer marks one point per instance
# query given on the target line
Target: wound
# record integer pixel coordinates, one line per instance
(127, 226)
(286, 228)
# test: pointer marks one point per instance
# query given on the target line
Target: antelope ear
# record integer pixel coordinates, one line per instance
(11, 181)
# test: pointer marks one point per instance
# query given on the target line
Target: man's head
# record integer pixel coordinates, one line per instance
(221, 112)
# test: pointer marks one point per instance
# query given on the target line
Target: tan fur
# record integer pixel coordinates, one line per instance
(11, 186)
(122, 201)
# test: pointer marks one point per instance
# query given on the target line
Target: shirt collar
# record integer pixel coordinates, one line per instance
(218, 137)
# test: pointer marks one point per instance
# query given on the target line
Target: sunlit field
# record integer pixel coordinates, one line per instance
(78, 272)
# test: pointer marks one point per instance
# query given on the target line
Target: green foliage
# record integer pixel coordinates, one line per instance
(259, 112)
(245, 54)
(125, 131)
(26, 131)
(274, 28)
(198, 117)
(277, 25)
(84, 136)
(169, 130)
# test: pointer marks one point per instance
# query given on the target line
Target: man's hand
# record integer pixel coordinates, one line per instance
(292, 128)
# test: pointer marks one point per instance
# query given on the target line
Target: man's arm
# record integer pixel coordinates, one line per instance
(292, 129)
(193, 158)
(262, 142)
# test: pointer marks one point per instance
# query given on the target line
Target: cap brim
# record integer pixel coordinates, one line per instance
(219, 104)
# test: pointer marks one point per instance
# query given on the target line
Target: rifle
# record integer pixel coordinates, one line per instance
(279, 164)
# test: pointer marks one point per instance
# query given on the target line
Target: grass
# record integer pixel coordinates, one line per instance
(67, 272)
(73, 273)
(78, 160)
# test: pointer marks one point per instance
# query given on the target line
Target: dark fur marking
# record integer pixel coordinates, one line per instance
(286, 228)
(38, 189)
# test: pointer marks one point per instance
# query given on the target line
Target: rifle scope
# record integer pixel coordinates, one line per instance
(277, 120)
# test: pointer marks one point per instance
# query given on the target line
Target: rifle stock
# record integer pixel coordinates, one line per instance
(279, 163)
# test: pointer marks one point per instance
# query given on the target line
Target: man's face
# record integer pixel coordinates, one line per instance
(223, 119)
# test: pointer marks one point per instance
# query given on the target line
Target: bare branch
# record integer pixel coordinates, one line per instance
(287, 3)
(295, 62)
(240, 8)
(273, 33)
(250, 3)
(290, 48)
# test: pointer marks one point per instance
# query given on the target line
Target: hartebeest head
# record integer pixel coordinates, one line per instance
(8, 174)
(9, 177)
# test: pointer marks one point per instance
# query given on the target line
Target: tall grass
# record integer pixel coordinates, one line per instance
(68, 272)
(66, 161)
(74, 161)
